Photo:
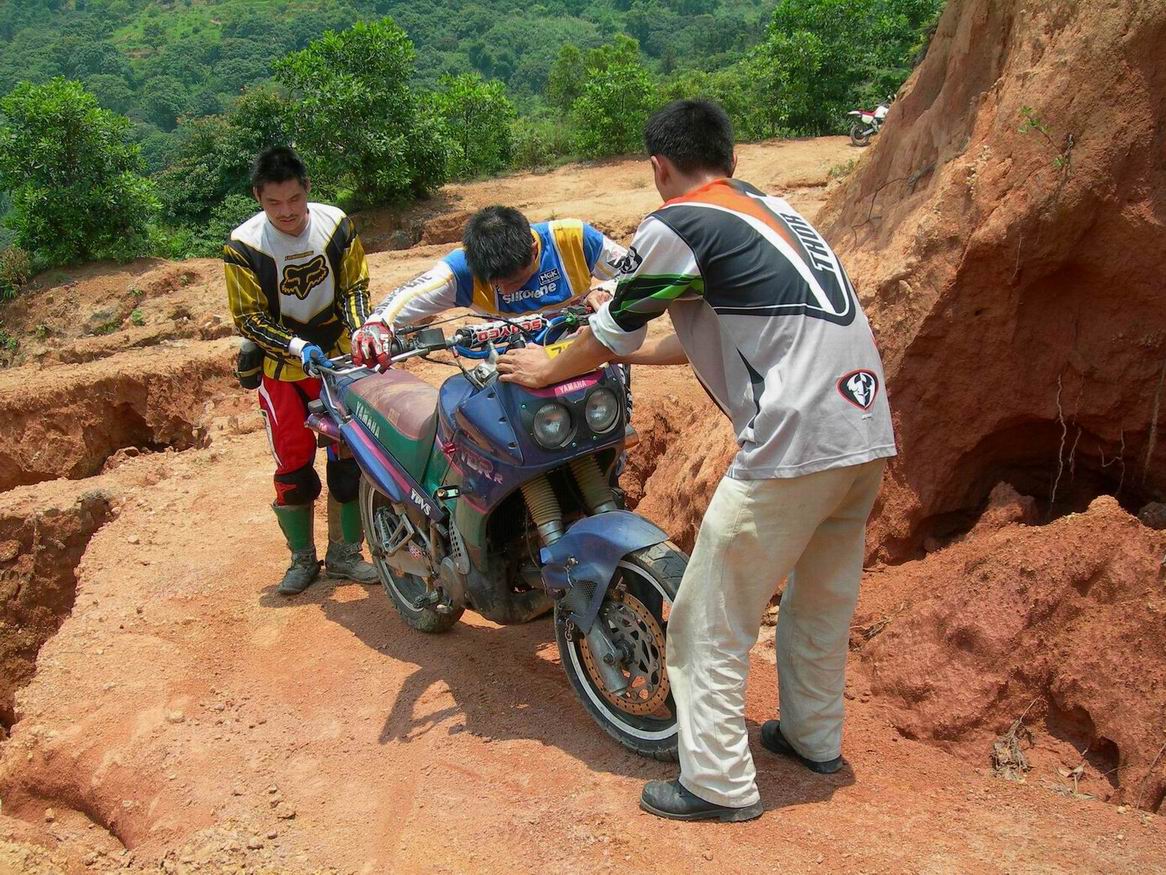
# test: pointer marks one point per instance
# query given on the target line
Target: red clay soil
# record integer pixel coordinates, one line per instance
(1065, 624)
(185, 718)
(1006, 231)
(66, 422)
(40, 546)
(188, 718)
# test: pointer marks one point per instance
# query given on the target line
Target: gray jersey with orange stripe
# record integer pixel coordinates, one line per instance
(770, 322)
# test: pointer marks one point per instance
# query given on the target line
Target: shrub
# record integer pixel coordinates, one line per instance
(15, 271)
(73, 173)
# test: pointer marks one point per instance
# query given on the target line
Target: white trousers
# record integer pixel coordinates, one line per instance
(755, 533)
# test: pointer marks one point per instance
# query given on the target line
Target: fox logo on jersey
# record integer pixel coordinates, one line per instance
(859, 388)
(300, 279)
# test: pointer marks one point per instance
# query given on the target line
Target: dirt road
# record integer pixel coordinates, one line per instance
(184, 716)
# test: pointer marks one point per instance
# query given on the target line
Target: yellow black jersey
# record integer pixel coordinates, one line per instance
(286, 292)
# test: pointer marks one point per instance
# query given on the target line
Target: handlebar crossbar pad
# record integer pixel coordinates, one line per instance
(483, 333)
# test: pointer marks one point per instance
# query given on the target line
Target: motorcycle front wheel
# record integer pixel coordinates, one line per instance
(860, 134)
(402, 589)
(642, 717)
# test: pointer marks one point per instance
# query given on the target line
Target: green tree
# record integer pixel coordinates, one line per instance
(164, 99)
(213, 157)
(205, 240)
(477, 117)
(356, 118)
(565, 81)
(112, 92)
(539, 142)
(820, 57)
(74, 175)
(618, 93)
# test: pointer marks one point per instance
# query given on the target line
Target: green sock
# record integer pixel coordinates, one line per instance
(296, 522)
(344, 523)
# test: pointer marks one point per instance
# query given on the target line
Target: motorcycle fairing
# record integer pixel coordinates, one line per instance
(488, 440)
(589, 553)
(388, 477)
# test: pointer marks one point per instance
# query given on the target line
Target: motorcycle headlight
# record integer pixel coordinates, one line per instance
(552, 425)
(602, 410)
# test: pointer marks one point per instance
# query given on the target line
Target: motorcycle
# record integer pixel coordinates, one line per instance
(491, 497)
(869, 122)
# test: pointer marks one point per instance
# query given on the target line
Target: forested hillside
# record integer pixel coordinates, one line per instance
(387, 99)
(161, 60)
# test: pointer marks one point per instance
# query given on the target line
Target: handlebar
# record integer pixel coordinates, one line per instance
(470, 341)
(473, 341)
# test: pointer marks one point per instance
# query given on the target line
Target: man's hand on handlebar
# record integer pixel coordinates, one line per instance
(311, 356)
(372, 345)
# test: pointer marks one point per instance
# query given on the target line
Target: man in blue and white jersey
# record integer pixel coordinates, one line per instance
(506, 267)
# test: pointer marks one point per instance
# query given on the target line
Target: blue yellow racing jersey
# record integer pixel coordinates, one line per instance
(570, 254)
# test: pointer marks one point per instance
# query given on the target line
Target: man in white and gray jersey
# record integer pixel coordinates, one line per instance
(774, 330)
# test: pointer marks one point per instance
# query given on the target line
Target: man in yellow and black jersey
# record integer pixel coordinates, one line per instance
(297, 284)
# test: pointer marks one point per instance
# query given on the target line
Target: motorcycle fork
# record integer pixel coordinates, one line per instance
(548, 519)
(543, 504)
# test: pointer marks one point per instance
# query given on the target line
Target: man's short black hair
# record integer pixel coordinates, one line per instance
(692, 134)
(497, 243)
(278, 164)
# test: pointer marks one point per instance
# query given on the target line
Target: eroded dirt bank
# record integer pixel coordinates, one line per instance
(1064, 625)
(41, 543)
(1007, 232)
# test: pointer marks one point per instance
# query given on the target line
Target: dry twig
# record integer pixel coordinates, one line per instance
(1008, 759)
(1150, 771)
(1060, 449)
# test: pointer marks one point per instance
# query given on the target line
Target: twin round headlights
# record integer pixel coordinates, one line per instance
(553, 427)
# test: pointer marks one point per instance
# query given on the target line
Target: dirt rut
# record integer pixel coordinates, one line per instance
(67, 421)
(40, 546)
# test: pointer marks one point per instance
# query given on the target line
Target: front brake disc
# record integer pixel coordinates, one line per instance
(633, 630)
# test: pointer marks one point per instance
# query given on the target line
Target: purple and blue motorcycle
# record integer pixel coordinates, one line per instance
(488, 496)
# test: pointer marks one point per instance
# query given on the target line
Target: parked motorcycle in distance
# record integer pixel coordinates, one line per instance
(489, 496)
(868, 122)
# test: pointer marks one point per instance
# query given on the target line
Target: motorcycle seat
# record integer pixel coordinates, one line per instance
(406, 402)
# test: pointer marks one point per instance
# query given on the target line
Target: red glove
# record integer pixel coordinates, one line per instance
(371, 345)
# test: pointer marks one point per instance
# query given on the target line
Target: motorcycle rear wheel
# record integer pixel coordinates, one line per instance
(643, 717)
(860, 134)
(402, 589)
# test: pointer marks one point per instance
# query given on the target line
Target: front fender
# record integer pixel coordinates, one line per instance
(578, 566)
